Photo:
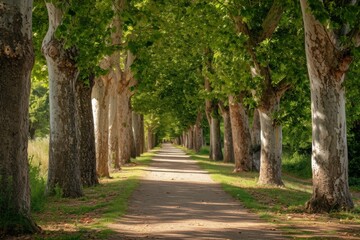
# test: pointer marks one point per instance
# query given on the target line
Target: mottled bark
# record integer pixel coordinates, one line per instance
(125, 126)
(85, 134)
(16, 62)
(114, 158)
(100, 102)
(271, 146)
(64, 167)
(327, 65)
(241, 135)
(255, 140)
(228, 142)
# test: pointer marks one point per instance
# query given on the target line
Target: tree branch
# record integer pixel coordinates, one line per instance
(272, 20)
(241, 26)
(355, 36)
(283, 87)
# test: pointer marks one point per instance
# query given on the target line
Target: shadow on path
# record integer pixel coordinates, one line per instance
(178, 200)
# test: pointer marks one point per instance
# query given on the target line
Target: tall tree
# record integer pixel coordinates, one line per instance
(64, 168)
(72, 55)
(16, 62)
(331, 36)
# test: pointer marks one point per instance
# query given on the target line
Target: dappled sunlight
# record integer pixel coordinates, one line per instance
(178, 200)
(284, 206)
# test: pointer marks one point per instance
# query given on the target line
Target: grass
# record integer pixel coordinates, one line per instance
(283, 206)
(38, 151)
(86, 217)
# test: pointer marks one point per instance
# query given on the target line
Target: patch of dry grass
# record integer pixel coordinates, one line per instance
(38, 152)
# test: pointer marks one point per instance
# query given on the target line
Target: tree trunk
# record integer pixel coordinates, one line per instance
(100, 101)
(64, 167)
(241, 135)
(114, 158)
(125, 128)
(142, 135)
(150, 139)
(32, 130)
(190, 138)
(85, 134)
(327, 66)
(136, 127)
(271, 146)
(255, 140)
(198, 136)
(133, 146)
(228, 142)
(215, 136)
(16, 62)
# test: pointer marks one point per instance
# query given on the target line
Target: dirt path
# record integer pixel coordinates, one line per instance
(178, 200)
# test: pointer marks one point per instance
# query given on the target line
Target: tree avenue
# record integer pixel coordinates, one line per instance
(122, 76)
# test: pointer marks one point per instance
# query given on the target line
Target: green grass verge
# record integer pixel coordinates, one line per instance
(88, 217)
(274, 204)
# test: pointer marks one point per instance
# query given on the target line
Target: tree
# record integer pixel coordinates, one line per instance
(331, 36)
(16, 62)
(64, 168)
(73, 55)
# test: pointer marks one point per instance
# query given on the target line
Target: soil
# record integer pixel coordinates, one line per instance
(178, 200)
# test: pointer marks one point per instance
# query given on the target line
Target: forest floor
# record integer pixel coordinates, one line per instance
(178, 200)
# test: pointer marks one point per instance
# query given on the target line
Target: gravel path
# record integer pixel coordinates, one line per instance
(178, 200)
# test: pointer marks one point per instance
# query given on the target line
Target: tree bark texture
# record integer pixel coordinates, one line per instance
(100, 102)
(64, 167)
(114, 158)
(240, 135)
(215, 135)
(16, 62)
(125, 126)
(255, 140)
(228, 142)
(86, 133)
(327, 65)
(271, 146)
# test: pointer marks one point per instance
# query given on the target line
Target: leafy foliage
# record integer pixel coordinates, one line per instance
(86, 27)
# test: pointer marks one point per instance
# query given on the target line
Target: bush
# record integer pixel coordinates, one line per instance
(297, 164)
(37, 186)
